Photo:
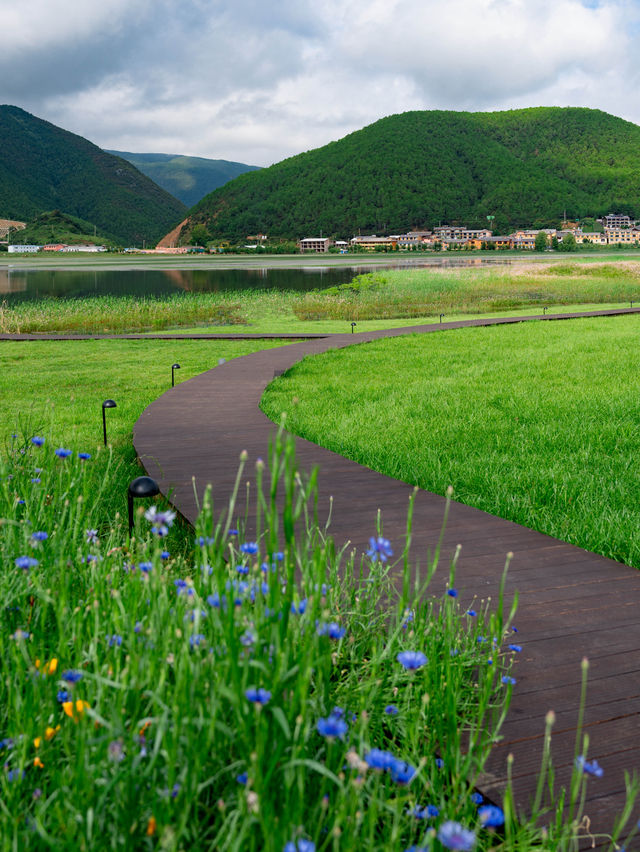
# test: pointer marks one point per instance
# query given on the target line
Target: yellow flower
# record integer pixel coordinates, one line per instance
(50, 733)
(71, 709)
(51, 666)
(37, 762)
(151, 826)
(37, 742)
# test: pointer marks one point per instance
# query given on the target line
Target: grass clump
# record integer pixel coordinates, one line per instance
(267, 692)
(523, 421)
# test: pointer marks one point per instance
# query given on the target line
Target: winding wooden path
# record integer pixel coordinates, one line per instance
(572, 603)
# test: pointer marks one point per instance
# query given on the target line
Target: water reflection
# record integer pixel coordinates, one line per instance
(19, 284)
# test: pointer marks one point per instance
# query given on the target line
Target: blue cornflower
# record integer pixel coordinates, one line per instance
(137, 627)
(248, 638)
(71, 676)
(203, 541)
(477, 798)
(242, 778)
(249, 547)
(424, 812)
(8, 743)
(401, 772)
(214, 600)
(409, 615)
(300, 845)
(26, 562)
(165, 554)
(242, 569)
(257, 695)
(471, 612)
(145, 567)
(84, 456)
(515, 648)
(589, 767)
(232, 532)
(37, 440)
(195, 639)
(417, 849)
(452, 835)
(113, 640)
(379, 759)
(391, 710)
(299, 608)
(62, 453)
(439, 763)
(161, 520)
(36, 480)
(411, 660)
(332, 630)
(510, 681)
(15, 775)
(40, 535)
(92, 536)
(63, 696)
(453, 593)
(491, 816)
(332, 727)
(379, 548)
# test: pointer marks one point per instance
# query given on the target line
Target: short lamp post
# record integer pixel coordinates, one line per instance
(142, 486)
(441, 315)
(108, 403)
(174, 367)
(353, 325)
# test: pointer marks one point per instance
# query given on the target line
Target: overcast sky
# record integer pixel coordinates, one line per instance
(257, 81)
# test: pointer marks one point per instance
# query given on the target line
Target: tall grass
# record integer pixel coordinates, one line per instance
(254, 697)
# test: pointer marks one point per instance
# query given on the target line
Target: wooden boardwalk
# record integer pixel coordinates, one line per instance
(572, 603)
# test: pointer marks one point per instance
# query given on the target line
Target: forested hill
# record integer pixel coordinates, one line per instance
(186, 178)
(43, 167)
(420, 168)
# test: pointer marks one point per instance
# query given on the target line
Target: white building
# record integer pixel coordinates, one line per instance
(24, 249)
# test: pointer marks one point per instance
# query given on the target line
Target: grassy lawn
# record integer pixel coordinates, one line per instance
(538, 423)
(56, 389)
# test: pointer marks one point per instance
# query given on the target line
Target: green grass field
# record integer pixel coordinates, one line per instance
(538, 423)
(56, 389)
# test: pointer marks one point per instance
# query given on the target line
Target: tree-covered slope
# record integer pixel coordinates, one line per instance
(57, 227)
(43, 167)
(421, 168)
(186, 178)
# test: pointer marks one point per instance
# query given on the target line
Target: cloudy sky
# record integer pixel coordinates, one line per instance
(256, 81)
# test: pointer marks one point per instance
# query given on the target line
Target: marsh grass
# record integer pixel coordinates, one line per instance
(130, 715)
(375, 300)
(538, 423)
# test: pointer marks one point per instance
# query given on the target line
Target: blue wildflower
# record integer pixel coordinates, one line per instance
(26, 562)
(84, 456)
(454, 836)
(332, 630)
(63, 696)
(299, 608)
(137, 627)
(242, 778)
(62, 453)
(40, 535)
(92, 536)
(249, 547)
(477, 798)
(242, 569)
(411, 660)
(71, 676)
(515, 648)
(391, 710)
(195, 639)
(424, 812)
(379, 548)
(232, 532)
(439, 763)
(589, 767)
(300, 845)
(401, 772)
(471, 612)
(36, 480)
(161, 520)
(453, 593)
(145, 567)
(510, 681)
(37, 440)
(248, 638)
(257, 695)
(379, 759)
(15, 774)
(165, 554)
(332, 727)
(491, 816)
(114, 640)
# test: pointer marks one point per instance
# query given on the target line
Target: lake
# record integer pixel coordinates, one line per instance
(18, 282)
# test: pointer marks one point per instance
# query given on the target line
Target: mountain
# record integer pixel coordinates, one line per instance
(43, 167)
(417, 169)
(56, 227)
(186, 178)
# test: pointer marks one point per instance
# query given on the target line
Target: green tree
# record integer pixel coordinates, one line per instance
(568, 243)
(541, 241)
(199, 235)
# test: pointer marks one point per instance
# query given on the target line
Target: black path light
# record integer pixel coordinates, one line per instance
(108, 403)
(544, 312)
(174, 367)
(441, 315)
(142, 486)
(353, 325)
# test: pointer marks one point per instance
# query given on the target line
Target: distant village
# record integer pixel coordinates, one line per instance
(615, 229)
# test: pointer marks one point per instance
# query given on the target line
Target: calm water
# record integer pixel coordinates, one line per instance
(19, 284)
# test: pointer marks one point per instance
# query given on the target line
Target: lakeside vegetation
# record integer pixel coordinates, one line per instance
(537, 423)
(384, 298)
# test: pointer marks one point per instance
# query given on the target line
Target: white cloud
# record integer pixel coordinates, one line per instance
(255, 82)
